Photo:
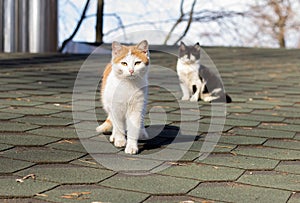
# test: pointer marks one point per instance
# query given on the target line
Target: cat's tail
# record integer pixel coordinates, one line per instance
(210, 97)
(224, 99)
(228, 98)
(105, 127)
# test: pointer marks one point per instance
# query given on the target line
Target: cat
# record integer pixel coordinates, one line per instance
(198, 81)
(124, 91)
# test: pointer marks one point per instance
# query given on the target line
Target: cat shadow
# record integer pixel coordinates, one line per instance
(161, 136)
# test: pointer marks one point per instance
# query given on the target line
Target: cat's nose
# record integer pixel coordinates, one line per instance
(131, 71)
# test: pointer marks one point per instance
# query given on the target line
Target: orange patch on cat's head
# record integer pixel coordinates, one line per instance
(141, 55)
(140, 51)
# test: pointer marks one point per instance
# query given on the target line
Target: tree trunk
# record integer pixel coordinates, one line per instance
(281, 39)
(99, 23)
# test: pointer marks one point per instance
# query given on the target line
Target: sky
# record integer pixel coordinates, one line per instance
(153, 20)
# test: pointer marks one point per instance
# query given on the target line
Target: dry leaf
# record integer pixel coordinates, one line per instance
(275, 124)
(177, 163)
(68, 197)
(88, 162)
(223, 146)
(65, 141)
(75, 195)
(29, 176)
(41, 195)
(62, 105)
(21, 180)
(133, 159)
(233, 153)
(86, 193)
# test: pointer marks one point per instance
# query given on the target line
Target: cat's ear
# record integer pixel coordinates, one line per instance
(143, 46)
(182, 46)
(182, 49)
(116, 48)
(197, 46)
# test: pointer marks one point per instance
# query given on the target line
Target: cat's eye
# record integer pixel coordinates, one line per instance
(137, 63)
(123, 63)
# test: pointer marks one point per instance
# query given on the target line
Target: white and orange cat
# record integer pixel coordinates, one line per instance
(124, 93)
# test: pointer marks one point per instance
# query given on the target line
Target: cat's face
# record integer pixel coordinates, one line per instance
(189, 54)
(130, 61)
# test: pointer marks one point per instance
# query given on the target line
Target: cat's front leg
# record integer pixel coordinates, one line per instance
(134, 130)
(118, 139)
(202, 89)
(131, 147)
(185, 91)
(118, 132)
(195, 97)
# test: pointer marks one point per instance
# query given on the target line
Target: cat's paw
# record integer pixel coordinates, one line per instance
(120, 142)
(194, 98)
(131, 148)
(184, 98)
(112, 138)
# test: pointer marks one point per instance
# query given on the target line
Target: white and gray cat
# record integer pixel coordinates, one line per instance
(198, 81)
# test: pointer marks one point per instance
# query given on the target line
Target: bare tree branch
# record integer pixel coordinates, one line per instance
(275, 18)
(265, 23)
(83, 16)
(120, 24)
(208, 16)
(200, 16)
(179, 20)
(188, 23)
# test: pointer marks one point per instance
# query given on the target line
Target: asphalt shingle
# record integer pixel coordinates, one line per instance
(254, 157)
